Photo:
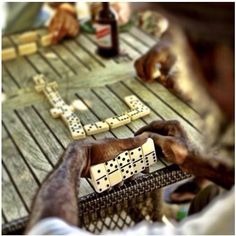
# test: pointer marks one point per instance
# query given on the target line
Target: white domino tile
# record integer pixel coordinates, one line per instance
(118, 121)
(99, 178)
(125, 165)
(113, 171)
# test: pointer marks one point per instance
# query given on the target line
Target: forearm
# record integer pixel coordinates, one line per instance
(213, 169)
(57, 196)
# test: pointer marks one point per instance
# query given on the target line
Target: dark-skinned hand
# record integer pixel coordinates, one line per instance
(100, 151)
(168, 136)
(171, 138)
(159, 58)
(63, 24)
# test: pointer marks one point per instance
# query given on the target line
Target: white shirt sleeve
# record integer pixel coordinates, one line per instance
(217, 218)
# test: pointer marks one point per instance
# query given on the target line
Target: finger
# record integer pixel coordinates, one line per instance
(169, 61)
(166, 128)
(60, 27)
(149, 66)
(152, 127)
(139, 68)
(62, 33)
(56, 32)
(158, 139)
(56, 24)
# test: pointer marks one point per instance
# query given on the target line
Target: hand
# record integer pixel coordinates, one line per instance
(100, 151)
(160, 58)
(123, 12)
(171, 138)
(63, 24)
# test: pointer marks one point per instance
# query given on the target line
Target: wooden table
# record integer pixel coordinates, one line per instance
(33, 141)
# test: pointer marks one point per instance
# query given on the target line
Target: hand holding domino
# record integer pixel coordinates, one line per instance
(123, 166)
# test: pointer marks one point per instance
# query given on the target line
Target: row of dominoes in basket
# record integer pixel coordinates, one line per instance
(67, 112)
(27, 44)
(125, 165)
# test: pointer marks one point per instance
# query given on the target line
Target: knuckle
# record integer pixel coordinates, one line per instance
(176, 122)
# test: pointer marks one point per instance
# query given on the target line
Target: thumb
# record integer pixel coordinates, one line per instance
(158, 139)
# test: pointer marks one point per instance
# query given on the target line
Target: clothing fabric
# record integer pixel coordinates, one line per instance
(217, 219)
(21, 16)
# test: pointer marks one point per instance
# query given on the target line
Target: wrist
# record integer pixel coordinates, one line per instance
(76, 157)
(70, 8)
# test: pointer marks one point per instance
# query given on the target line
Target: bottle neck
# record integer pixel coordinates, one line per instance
(105, 5)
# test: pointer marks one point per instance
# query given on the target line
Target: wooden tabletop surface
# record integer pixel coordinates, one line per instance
(32, 141)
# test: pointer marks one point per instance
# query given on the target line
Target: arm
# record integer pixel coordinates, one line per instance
(58, 191)
(212, 168)
(57, 196)
(157, 63)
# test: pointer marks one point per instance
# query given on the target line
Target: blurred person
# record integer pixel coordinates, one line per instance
(203, 35)
(26, 16)
(19, 16)
(121, 9)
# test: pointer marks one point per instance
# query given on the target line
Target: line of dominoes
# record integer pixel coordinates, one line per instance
(66, 112)
(60, 108)
(122, 167)
(28, 44)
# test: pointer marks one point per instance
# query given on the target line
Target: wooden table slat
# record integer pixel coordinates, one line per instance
(142, 37)
(25, 182)
(41, 66)
(41, 134)
(117, 106)
(35, 158)
(83, 56)
(131, 52)
(21, 70)
(56, 63)
(176, 104)
(6, 42)
(9, 85)
(55, 125)
(10, 198)
(37, 57)
(121, 91)
(69, 58)
(134, 43)
(92, 47)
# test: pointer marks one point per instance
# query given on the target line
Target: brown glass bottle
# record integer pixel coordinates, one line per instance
(107, 32)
